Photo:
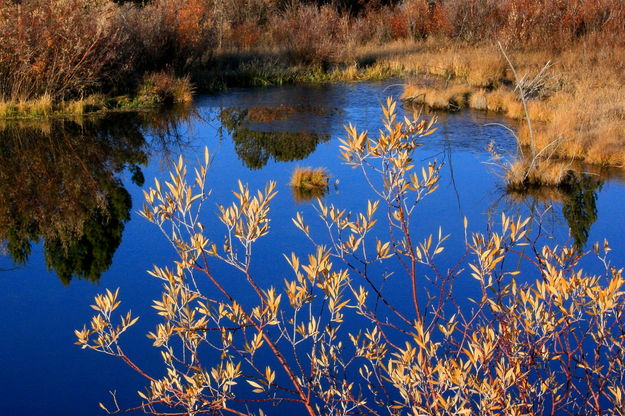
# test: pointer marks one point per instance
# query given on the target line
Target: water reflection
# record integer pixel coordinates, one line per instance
(307, 194)
(60, 184)
(255, 147)
(578, 199)
(281, 112)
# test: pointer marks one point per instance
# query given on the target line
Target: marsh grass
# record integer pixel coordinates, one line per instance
(163, 88)
(38, 107)
(260, 43)
(159, 90)
(265, 71)
(310, 179)
(525, 173)
(448, 98)
(580, 105)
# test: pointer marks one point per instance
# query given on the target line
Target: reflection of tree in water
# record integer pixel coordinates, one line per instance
(256, 148)
(579, 203)
(580, 208)
(59, 182)
(90, 253)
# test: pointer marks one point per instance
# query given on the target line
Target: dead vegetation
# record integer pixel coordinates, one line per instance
(578, 110)
(69, 49)
(308, 179)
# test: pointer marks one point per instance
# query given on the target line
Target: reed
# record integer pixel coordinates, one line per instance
(577, 112)
(307, 178)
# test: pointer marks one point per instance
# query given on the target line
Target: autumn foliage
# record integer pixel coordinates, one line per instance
(68, 48)
(510, 327)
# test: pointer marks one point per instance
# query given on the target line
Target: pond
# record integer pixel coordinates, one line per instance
(70, 191)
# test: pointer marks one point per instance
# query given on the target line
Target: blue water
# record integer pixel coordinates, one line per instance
(43, 373)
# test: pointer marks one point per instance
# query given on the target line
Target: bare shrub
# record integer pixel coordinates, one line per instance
(170, 33)
(59, 47)
(309, 34)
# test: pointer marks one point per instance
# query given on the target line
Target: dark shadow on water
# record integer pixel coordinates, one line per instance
(577, 199)
(60, 185)
(256, 148)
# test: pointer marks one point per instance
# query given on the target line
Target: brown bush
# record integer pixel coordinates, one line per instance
(162, 88)
(310, 34)
(65, 48)
(58, 47)
(245, 35)
(171, 33)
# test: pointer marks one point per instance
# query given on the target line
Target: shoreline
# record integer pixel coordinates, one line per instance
(579, 109)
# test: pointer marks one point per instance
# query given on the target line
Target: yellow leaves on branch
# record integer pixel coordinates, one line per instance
(248, 216)
(441, 358)
(106, 334)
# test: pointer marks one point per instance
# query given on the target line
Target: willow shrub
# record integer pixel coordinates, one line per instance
(331, 340)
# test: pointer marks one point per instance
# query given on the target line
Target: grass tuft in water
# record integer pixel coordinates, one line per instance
(310, 179)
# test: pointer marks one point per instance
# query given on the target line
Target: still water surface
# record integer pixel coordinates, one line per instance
(69, 192)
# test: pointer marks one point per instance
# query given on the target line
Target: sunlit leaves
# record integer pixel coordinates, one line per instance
(101, 334)
(539, 336)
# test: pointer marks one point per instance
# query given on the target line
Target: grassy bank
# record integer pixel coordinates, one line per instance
(157, 90)
(148, 54)
(577, 110)
(63, 50)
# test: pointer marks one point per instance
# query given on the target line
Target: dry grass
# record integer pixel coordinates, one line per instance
(163, 88)
(178, 92)
(39, 107)
(450, 98)
(308, 183)
(119, 43)
(522, 174)
(92, 103)
(579, 113)
(309, 178)
(7, 109)
(588, 124)
(577, 170)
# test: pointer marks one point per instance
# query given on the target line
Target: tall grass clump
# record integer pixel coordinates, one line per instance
(308, 183)
(309, 178)
(163, 88)
(540, 335)
(526, 173)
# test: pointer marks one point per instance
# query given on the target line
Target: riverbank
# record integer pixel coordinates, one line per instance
(146, 56)
(577, 105)
(62, 51)
(156, 91)
(577, 109)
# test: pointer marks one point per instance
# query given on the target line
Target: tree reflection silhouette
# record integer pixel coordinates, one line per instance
(90, 253)
(255, 148)
(578, 200)
(60, 185)
(579, 208)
